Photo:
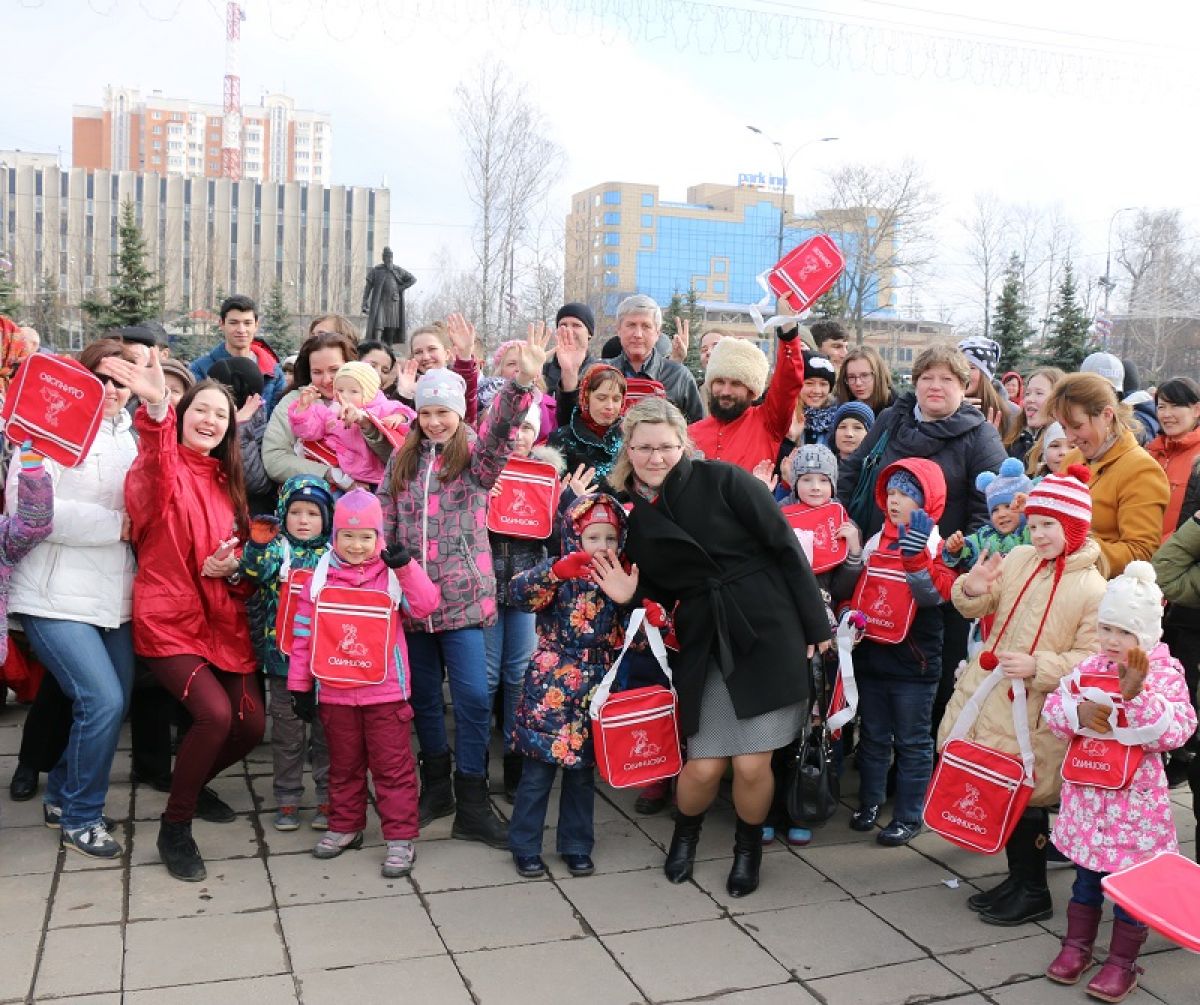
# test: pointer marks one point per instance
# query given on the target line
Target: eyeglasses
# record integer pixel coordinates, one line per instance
(859, 378)
(663, 450)
(322, 331)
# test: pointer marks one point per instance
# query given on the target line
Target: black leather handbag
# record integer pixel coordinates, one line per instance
(813, 784)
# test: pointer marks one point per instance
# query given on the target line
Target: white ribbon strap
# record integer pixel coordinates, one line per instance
(653, 636)
(321, 574)
(285, 569)
(1020, 714)
(846, 637)
(1131, 736)
(769, 298)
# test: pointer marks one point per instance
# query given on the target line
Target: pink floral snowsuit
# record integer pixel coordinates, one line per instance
(1105, 829)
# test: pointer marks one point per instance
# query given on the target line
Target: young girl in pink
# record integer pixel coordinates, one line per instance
(339, 427)
(1103, 830)
(366, 725)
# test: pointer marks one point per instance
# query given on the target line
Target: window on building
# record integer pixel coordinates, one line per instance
(720, 265)
(612, 258)
(612, 198)
(612, 239)
(718, 286)
(612, 219)
(700, 285)
(610, 279)
(647, 199)
(647, 220)
(157, 129)
(647, 241)
(157, 144)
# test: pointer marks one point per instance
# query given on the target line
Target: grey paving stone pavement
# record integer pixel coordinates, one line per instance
(840, 922)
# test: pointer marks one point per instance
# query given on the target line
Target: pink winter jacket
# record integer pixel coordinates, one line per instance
(320, 422)
(1109, 829)
(421, 598)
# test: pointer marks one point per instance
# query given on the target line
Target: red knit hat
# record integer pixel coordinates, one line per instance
(603, 510)
(1065, 498)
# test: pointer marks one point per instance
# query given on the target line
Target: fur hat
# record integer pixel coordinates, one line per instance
(359, 509)
(738, 359)
(1107, 366)
(812, 458)
(1134, 602)
(1065, 498)
(818, 366)
(906, 482)
(1002, 488)
(362, 374)
(442, 388)
(982, 353)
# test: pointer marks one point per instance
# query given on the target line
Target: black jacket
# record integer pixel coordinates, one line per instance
(748, 601)
(962, 445)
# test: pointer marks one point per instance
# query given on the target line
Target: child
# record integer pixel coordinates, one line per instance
(1044, 597)
(851, 423)
(816, 398)
(366, 726)
(1047, 454)
(357, 388)
(510, 641)
(589, 422)
(296, 537)
(579, 630)
(1006, 493)
(1102, 830)
(897, 683)
(505, 366)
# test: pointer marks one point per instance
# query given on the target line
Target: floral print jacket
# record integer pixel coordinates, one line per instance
(580, 631)
(1105, 829)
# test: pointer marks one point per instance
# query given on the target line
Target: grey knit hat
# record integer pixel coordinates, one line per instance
(812, 458)
(443, 388)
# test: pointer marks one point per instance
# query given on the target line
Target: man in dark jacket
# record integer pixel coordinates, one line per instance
(239, 325)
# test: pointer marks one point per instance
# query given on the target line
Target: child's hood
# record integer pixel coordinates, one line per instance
(572, 536)
(927, 474)
(548, 455)
(306, 488)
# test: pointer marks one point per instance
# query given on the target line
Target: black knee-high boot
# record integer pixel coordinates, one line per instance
(747, 858)
(1029, 899)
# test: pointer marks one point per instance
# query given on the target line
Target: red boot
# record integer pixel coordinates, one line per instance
(1076, 955)
(1120, 972)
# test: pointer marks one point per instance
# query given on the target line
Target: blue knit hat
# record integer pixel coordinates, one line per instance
(1001, 489)
(859, 410)
(906, 482)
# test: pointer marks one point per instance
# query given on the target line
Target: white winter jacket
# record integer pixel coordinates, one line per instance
(83, 571)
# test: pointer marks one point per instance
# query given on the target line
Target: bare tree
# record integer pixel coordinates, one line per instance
(881, 219)
(988, 239)
(511, 164)
(454, 288)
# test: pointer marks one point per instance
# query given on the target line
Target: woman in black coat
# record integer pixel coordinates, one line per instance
(709, 536)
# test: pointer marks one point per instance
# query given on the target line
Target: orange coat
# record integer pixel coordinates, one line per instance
(1177, 456)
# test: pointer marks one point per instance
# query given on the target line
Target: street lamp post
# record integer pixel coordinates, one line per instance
(1107, 281)
(784, 162)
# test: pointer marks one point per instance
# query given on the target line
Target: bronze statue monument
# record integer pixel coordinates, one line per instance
(383, 300)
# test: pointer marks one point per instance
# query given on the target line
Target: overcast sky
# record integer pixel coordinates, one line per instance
(633, 99)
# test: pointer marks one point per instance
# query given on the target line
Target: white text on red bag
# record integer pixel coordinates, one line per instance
(1102, 761)
(884, 597)
(527, 499)
(807, 271)
(828, 550)
(635, 733)
(1164, 892)
(351, 636)
(977, 793)
(57, 404)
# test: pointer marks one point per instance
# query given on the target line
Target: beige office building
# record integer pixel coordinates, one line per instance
(205, 236)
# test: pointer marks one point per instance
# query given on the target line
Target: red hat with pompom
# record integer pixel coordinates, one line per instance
(1064, 497)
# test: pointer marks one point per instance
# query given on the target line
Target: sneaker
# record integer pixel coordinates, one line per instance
(798, 837)
(52, 815)
(333, 844)
(897, 833)
(399, 860)
(864, 818)
(529, 866)
(287, 818)
(320, 820)
(578, 864)
(94, 841)
(212, 808)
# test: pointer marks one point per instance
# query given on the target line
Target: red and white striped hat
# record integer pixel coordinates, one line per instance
(1065, 498)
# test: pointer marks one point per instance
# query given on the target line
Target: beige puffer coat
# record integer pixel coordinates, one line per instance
(1069, 637)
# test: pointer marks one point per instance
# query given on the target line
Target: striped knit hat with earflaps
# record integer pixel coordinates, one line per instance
(1063, 498)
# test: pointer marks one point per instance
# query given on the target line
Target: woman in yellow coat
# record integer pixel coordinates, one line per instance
(1044, 598)
(1129, 489)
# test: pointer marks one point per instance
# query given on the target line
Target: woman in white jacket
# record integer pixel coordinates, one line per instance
(73, 595)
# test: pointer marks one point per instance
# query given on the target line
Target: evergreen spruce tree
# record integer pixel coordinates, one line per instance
(830, 306)
(276, 323)
(1067, 344)
(134, 296)
(46, 314)
(1010, 319)
(9, 304)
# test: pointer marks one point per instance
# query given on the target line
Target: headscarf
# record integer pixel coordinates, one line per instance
(594, 376)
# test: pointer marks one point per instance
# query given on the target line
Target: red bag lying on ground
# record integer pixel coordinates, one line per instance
(636, 733)
(1164, 892)
(977, 793)
(57, 404)
(527, 501)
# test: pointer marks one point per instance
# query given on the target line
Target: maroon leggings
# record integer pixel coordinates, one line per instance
(228, 720)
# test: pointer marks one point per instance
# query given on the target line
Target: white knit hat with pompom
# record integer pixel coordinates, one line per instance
(1133, 602)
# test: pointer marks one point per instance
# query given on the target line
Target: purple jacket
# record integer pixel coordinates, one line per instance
(444, 524)
(21, 532)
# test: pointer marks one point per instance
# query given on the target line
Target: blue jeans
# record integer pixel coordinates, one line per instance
(575, 808)
(510, 642)
(94, 668)
(1087, 890)
(894, 714)
(462, 652)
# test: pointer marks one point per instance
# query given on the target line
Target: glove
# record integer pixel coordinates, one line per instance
(31, 460)
(656, 614)
(577, 565)
(916, 535)
(396, 556)
(264, 529)
(304, 704)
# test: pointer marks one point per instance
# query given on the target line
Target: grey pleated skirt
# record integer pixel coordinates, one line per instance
(723, 734)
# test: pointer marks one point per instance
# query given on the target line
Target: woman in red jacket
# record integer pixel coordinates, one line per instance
(187, 505)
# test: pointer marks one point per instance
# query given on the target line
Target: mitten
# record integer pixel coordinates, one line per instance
(264, 529)
(396, 557)
(31, 460)
(304, 704)
(916, 535)
(577, 565)
(656, 614)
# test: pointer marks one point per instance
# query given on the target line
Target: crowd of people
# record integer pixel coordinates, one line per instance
(1027, 526)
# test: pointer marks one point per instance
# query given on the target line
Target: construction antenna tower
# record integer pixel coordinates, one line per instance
(231, 122)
